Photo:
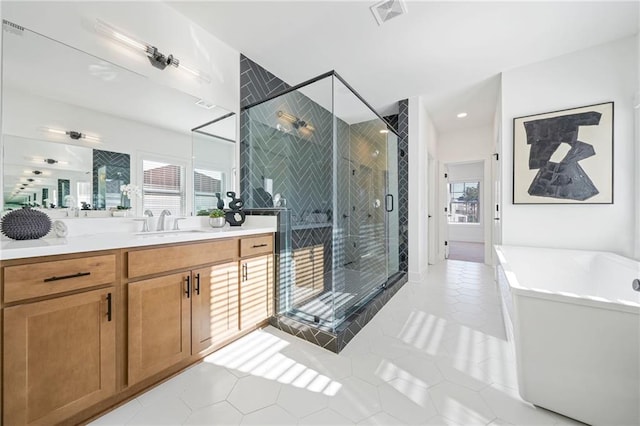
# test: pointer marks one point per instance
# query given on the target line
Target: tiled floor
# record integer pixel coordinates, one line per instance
(467, 251)
(434, 355)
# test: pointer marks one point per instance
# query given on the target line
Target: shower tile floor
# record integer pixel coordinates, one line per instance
(436, 354)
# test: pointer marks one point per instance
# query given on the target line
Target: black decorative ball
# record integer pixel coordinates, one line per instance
(25, 224)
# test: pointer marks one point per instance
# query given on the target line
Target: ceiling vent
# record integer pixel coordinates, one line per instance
(388, 9)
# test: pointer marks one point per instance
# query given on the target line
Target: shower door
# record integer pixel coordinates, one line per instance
(392, 227)
(367, 214)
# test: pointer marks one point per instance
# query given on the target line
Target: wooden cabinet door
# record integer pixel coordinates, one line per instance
(318, 269)
(159, 324)
(256, 278)
(303, 270)
(59, 357)
(214, 306)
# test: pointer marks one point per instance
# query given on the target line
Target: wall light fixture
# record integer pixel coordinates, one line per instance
(157, 58)
(74, 134)
(295, 121)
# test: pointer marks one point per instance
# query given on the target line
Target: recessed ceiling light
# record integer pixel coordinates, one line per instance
(462, 115)
(384, 131)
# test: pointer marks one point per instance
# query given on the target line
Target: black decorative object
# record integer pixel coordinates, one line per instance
(220, 203)
(25, 224)
(235, 216)
(564, 156)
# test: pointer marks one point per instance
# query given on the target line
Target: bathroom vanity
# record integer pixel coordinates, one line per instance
(86, 330)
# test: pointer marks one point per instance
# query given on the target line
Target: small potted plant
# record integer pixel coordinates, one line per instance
(126, 193)
(216, 218)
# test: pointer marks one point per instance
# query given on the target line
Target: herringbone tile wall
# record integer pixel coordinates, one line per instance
(256, 83)
(118, 171)
(300, 164)
(403, 182)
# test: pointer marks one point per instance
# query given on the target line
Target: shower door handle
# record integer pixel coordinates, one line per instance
(387, 204)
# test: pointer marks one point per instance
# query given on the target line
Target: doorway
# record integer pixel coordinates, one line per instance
(465, 192)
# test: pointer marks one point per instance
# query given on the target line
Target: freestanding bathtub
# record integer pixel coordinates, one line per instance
(574, 320)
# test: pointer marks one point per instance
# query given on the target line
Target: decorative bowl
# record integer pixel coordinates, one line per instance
(217, 222)
(25, 224)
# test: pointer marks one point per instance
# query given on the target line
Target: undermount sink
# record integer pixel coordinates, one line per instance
(169, 232)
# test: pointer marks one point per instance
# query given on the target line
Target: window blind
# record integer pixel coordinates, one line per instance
(163, 187)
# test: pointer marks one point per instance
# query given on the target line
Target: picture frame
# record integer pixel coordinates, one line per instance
(564, 157)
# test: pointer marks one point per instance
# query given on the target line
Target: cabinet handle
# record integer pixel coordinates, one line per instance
(188, 292)
(109, 307)
(198, 284)
(65, 277)
(245, 272)
(259, 245)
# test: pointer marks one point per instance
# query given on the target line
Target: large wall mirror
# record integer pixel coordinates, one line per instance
(75, 128)
(213, 174)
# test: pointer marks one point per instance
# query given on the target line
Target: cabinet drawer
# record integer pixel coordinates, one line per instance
(256, 245)
(164, 259)
(42, 279)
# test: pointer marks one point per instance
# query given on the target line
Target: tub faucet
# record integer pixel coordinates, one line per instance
(161, 219)
(148, 213)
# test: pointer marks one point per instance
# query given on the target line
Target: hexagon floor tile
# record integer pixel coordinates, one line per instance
(221, 413)
(301, 402)
(272, 415)
(209, 384)
(356, 400)
(406, 401)
(435, 355)
(252, 393)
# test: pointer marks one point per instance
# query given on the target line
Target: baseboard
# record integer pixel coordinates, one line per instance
(418, 276)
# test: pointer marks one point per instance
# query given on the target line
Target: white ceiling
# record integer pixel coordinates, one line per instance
(449, 52)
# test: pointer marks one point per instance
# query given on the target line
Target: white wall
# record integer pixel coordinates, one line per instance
(421, 137)
(467, 145)
(600, 74)
(73, 23)
(468, 172)
(465, 171)
(472, 144)
(28, 113)
(637, 108)
(154, 22)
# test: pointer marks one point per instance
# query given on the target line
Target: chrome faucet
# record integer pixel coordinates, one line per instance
(148, 213)
(161, 219)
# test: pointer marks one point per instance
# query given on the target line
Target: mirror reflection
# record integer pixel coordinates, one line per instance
(76, 128)
(213, 145)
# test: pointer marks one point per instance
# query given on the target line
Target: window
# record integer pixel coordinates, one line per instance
(84, 193)
(464, 202)
(163, 187)
(206, 184)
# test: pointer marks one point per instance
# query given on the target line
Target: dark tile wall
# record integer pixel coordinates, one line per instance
(313, 164)
(392, 120)
(403, 182)
(256, 83)
(118, 171)
(64, 189)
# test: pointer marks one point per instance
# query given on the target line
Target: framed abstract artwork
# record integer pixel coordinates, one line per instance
(564, 157)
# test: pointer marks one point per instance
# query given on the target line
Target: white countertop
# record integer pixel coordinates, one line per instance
(48, 246)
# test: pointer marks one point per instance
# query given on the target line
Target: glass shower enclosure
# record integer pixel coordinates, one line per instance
(319, 152)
